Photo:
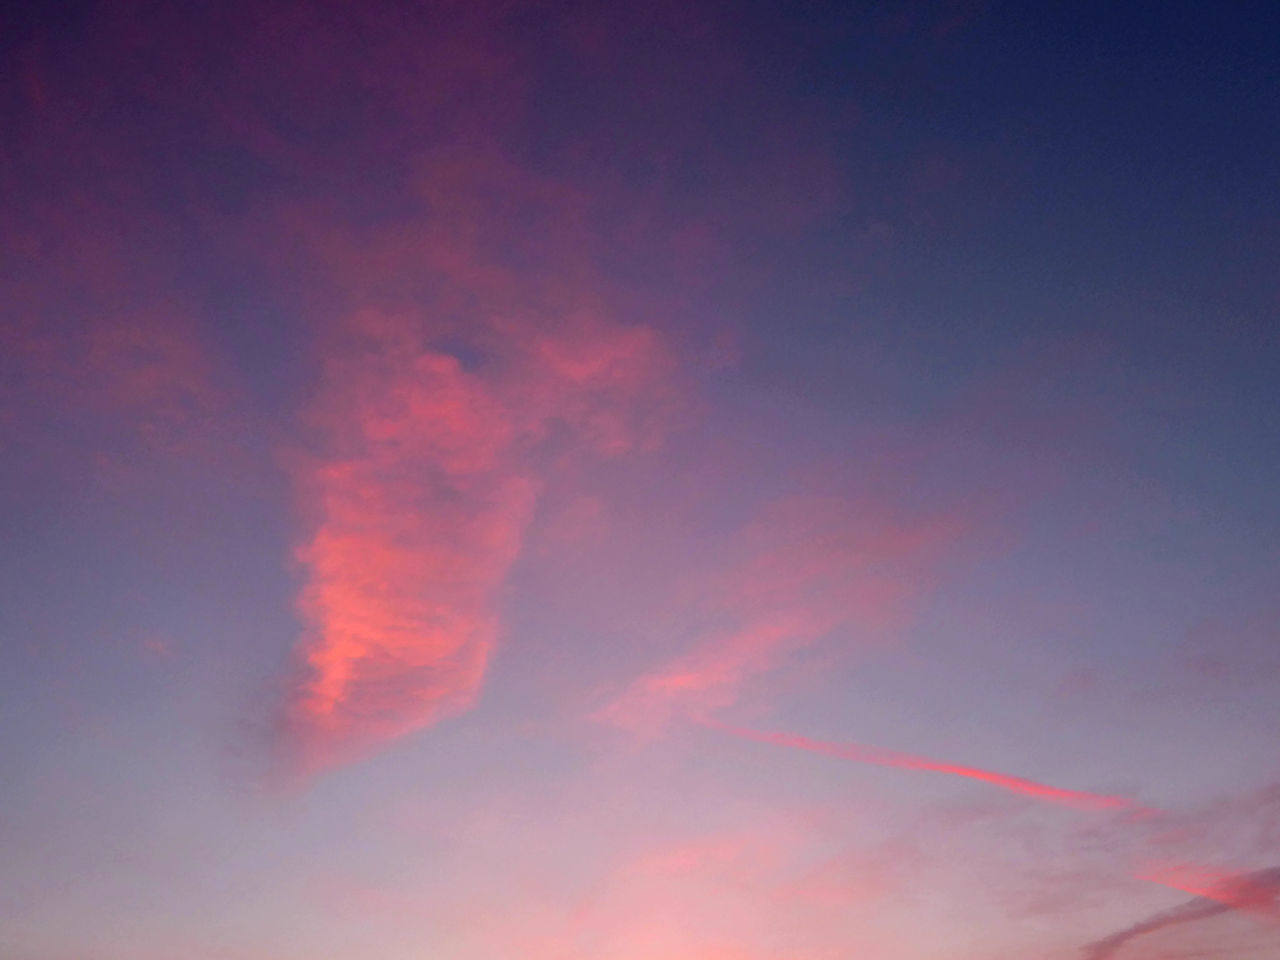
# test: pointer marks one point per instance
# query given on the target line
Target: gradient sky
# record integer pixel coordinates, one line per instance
(657, 481)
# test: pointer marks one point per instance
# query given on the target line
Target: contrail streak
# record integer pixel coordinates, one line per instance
(905, 761)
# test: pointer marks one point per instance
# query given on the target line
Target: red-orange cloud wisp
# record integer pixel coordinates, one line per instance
(904, 761)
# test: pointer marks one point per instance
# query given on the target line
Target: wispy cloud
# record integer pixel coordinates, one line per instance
(1255, 893)
(859, 753)
(1227, 894)
(811, 566)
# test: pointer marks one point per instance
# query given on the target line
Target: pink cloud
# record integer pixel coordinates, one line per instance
(1256, 893)
(811, 567)
(457, 381)
(417, 509)
(874, 756)
(417, 514)
(1218, 895)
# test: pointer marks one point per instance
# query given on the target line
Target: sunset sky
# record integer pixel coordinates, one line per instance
(686, 480)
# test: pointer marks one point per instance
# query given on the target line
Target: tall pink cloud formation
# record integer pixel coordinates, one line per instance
(463, 345)
(444, 406)
(418, 515)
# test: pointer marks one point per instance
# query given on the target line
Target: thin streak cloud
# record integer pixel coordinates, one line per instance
(859, 753)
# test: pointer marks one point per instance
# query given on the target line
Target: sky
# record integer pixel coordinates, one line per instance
(662, 481)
